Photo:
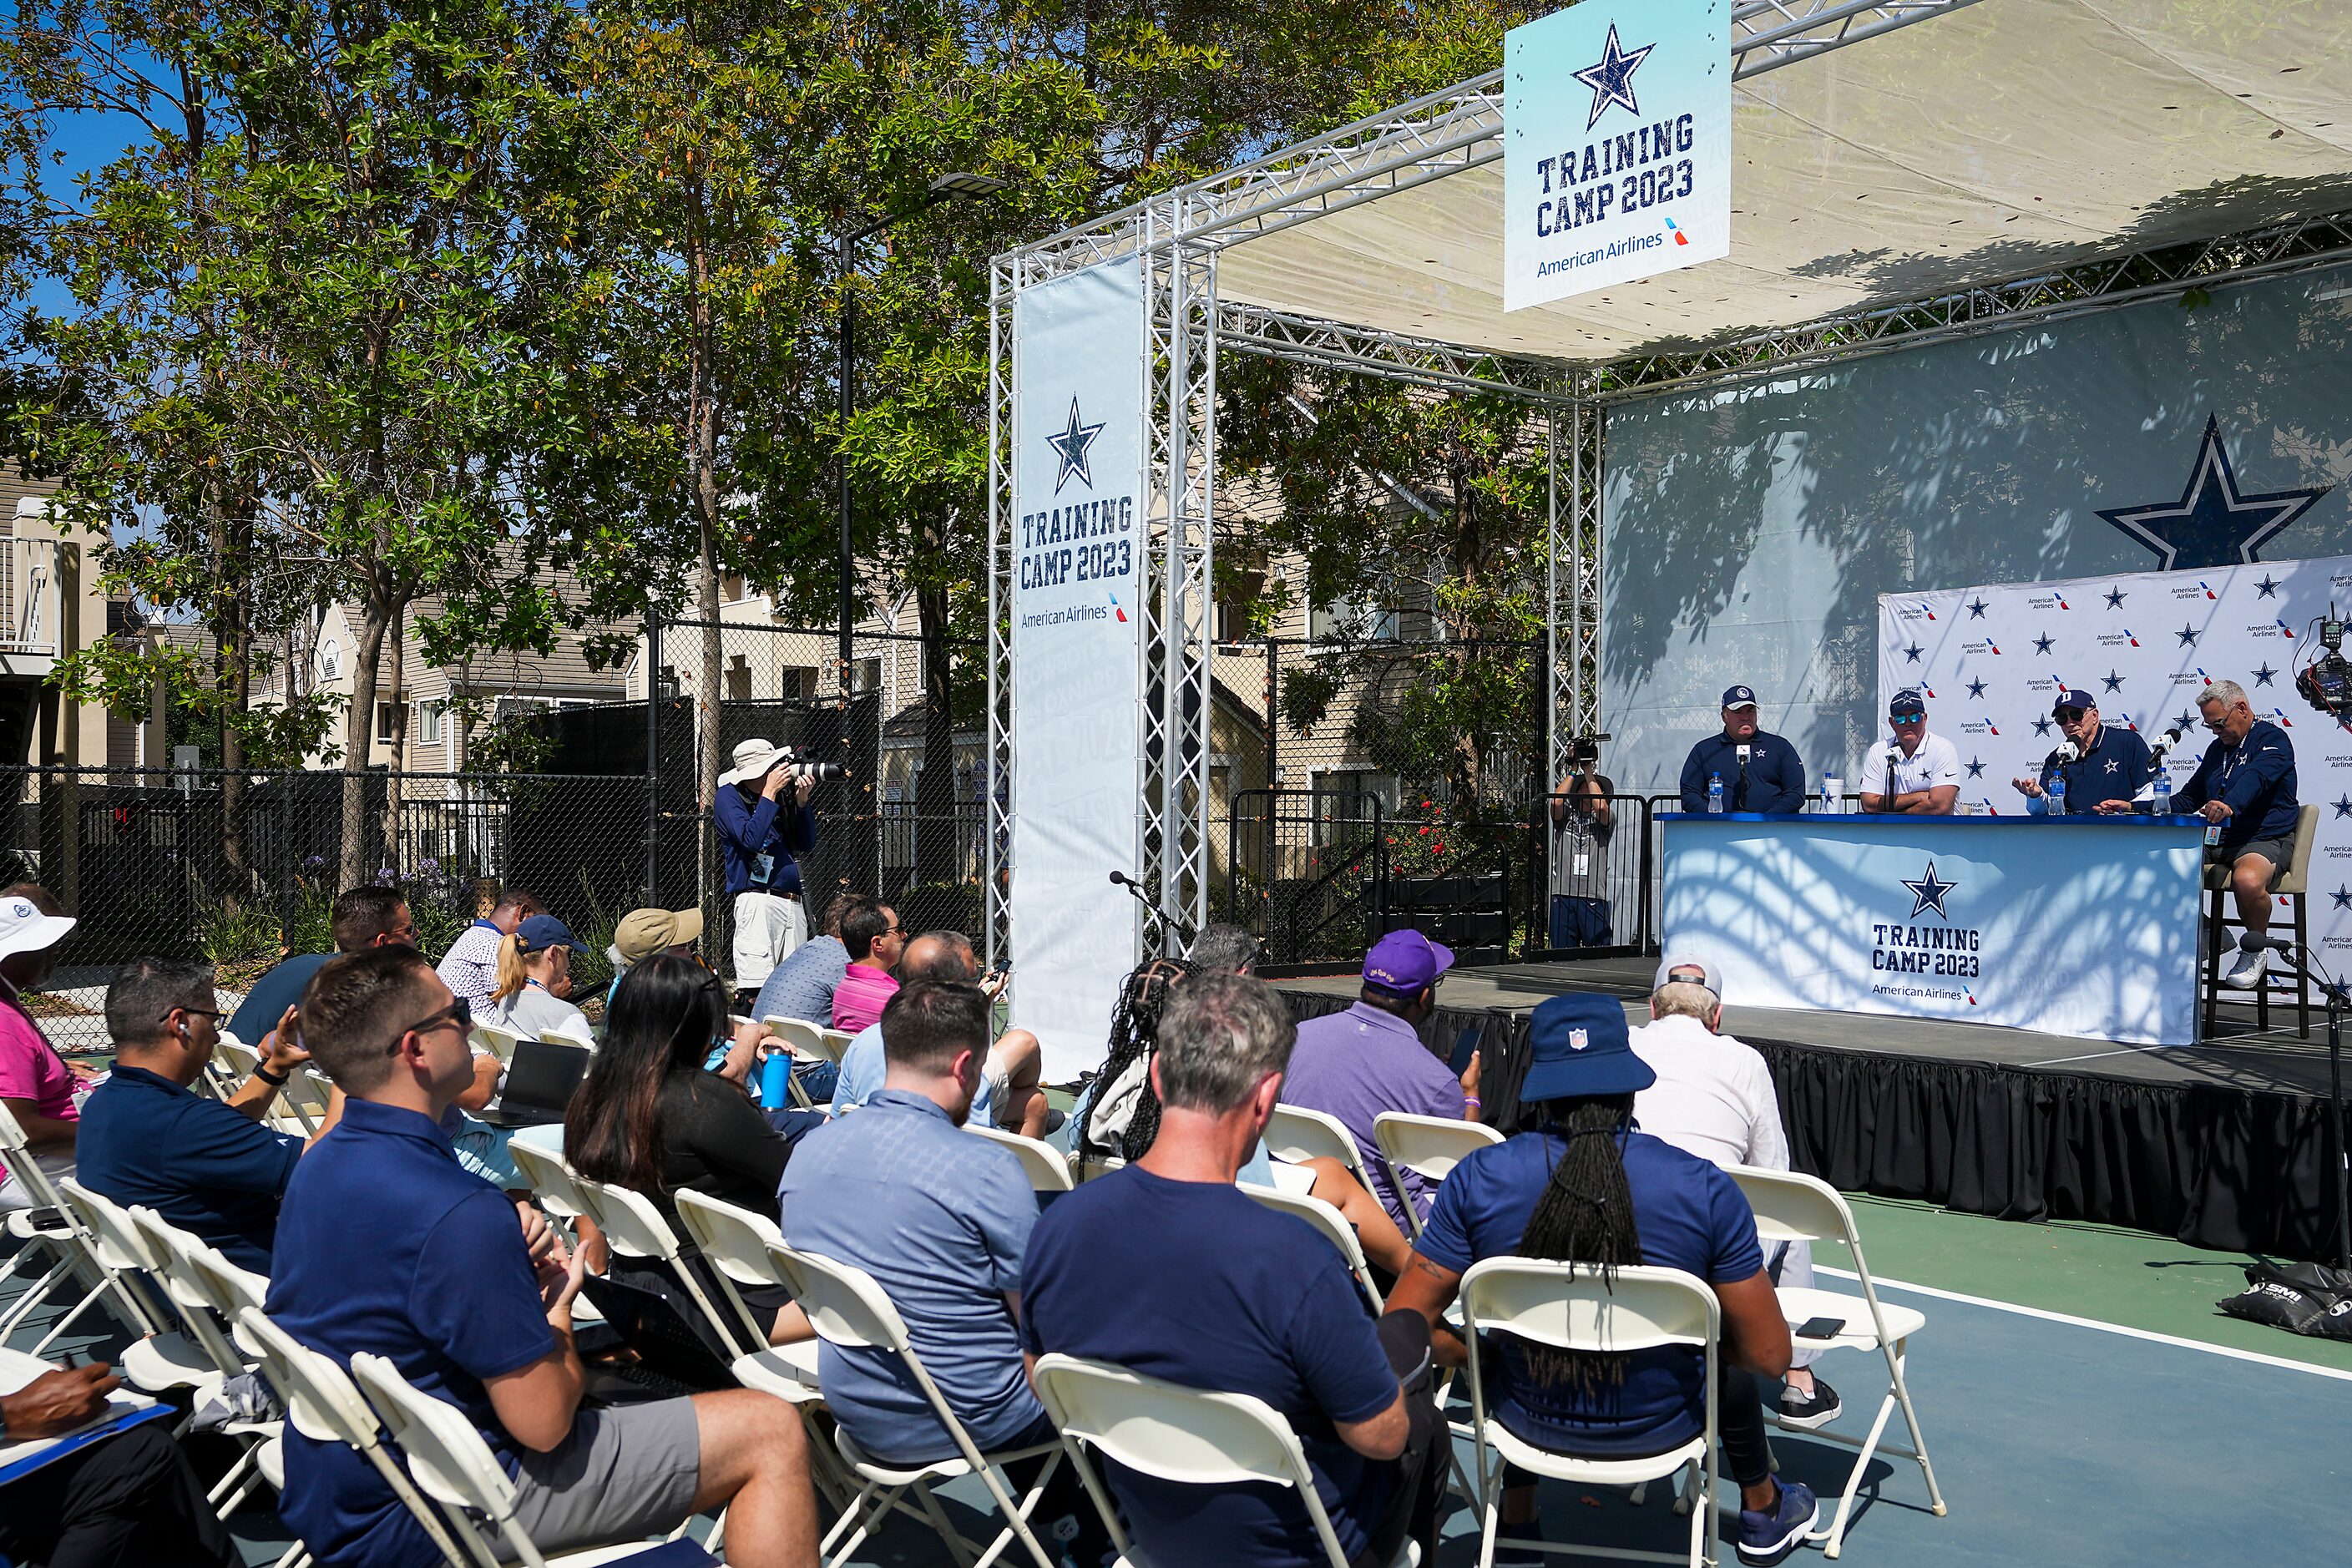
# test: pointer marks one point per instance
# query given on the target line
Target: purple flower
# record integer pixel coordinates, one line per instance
(313, 862)
(386, 874)
(428, 865)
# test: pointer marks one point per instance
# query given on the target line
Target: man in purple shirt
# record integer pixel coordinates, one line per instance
(1370, 1060)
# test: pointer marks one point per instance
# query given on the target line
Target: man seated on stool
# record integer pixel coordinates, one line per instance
(2107, 769)
(2246, 784)
(1915, 773)
(1714, 1099)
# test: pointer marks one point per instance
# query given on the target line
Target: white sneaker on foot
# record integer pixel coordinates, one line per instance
(2243, 974)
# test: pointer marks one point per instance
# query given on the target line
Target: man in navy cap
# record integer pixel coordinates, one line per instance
(1915, 773)
(1370, 1060)
(2104, 767)
(1583, 1185)
(1760, 771)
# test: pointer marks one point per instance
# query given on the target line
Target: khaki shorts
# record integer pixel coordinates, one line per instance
(626, 1473)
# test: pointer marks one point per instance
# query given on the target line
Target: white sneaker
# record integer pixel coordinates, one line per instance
(2248, 971)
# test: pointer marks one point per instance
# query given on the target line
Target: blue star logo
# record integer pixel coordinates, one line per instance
(1070, 446)
(2263, 676)
(2267, 588)
(2344, 805)
(2343, 896)
(1976, 768)
(1612, 80)
(2042, 724)
(2212, 524)
(2188, 635)
(2041, 645)
(1976, 689)
(2112, 681)
(1911, 655)
(1977, 610)
(2115, 598)
(2185, 722)
(1928, 893)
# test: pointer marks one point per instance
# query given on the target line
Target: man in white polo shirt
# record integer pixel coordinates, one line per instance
(1914, 773)
(1714, 1099)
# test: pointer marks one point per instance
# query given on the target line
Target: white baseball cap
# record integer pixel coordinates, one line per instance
(25, 929)
(1707, 974)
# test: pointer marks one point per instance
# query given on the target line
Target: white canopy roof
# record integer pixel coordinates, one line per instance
(2000, 140)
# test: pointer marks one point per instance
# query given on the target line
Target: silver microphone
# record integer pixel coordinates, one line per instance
(1742, 751)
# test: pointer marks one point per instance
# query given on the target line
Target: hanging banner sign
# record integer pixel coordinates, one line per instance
(1077, 542)
(1616, 145)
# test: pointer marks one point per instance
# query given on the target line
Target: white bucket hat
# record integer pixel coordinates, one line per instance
(25, 929)
(752, 760)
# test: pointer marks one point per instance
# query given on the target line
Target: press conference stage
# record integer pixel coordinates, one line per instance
(2222, 1144)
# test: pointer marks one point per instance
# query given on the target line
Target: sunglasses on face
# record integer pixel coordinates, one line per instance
(2070, 715)
(1904, 718)
(459, 1012)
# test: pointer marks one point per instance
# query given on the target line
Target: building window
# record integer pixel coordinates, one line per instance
(738, 679)
(428, 723)
(796, 681)
(387, 723)
(865, 675)
(331, 659)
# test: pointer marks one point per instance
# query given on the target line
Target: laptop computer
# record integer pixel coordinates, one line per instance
(539, 1084)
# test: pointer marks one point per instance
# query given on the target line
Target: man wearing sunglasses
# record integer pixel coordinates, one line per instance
(1915, 773)
(2245, 786)
(2103, 768)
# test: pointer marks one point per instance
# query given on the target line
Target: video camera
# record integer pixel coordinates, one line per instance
(823, 773)
(1584, 750)
(2326, 682)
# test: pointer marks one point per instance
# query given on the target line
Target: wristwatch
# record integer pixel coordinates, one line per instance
(261, 1071)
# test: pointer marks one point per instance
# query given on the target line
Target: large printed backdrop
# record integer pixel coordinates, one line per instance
(1991, 660)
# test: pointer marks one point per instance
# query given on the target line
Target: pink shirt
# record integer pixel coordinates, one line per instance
(858, 999)
(30, 1068)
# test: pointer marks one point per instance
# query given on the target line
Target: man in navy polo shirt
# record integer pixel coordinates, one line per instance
(206, 1165)
(1239, 1299)
(386, 1245)
(1584, 1186)
(1760, 771)
(2245, 786)
(2106, 768)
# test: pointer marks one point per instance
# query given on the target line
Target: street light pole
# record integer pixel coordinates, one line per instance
(947, 187)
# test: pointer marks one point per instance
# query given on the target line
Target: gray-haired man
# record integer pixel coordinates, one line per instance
(2245, 786)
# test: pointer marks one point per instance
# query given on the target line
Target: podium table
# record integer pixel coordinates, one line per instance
(2069, 925)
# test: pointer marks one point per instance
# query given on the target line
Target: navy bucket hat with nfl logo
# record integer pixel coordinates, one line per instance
(1578, 1045)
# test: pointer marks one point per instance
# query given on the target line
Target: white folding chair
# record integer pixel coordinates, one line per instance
(807, 1042)
(1570, 1307)
(1327, 1223)
(208, 1298)
(305, 1098)
(450, 1464)
(496, 1040)
(1188, 1435)
(1297, 1134)
(160, 1357)
(848, 1308)
(1047, 1168)
(551, 1181)
(1791, 1206)
(46, 1228)
(634, 1227)
(833, 1042)
(1429, 1146)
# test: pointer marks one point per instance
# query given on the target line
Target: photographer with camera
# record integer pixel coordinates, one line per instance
(764, 820)
(1582, 824)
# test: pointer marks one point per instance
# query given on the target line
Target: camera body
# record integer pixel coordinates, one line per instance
(797, 767)
(1584, 750)
(2326, 682)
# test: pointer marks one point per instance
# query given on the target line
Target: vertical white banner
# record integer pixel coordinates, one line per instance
(1616, 145)
(1078, 552)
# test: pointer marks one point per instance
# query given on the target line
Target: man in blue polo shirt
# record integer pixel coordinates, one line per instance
(2245, 786)
(2104, 767)
(362, 918)
(206, 1165)
(386, 1245)
(1760, 771)
(1584, 1186)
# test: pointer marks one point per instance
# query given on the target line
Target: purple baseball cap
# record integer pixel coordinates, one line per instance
(1405, 962)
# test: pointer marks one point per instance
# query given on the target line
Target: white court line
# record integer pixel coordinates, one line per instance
(2068, 1318)
(2094, 1056)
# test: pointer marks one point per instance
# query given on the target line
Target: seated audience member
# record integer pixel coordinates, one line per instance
(40, 1089)
(362, 918)
(940, 1220)
(1241, 1299)
(1009, 1096)
(801, 987)
(874, 939)
(1370, 1060)
(1585, 1186)
(130, 1500)
(470, 967)
(386, 1245)
(643, 933)
(534, 979)
(206, 1165)
(649, 1118)
(1714, 1099)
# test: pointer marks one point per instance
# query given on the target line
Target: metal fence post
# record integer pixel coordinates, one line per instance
(653, 759)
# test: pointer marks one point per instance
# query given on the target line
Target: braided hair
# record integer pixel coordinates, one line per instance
(1585, 1216)
(1134, 1037)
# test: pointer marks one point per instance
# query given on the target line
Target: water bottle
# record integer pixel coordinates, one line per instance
(2057, 794)
(1714, 794)
(775, 1079)
(1833, 794)
(2163, 791)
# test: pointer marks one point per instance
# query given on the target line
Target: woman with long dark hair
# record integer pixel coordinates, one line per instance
(1582, 1184)
(648, 1117)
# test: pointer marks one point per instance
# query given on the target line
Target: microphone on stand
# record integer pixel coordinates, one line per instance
(1167, 922)
(2165, 742)
(1741, 792)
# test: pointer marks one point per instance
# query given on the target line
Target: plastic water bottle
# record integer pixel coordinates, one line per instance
(2163, 792)
(1833, 794)
(1714, 794)
(2057, 794)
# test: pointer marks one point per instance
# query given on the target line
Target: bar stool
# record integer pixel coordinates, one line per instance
(2292, 978)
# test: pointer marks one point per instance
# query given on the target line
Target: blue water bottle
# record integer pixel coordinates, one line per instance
(2057, 794)
(775, 1078)
(2163, 791)
(1714, 794)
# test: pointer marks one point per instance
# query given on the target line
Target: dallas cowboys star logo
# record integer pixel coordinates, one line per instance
(2343, 896)
(1612, 80)
(1976, 689)
(2212, 524)
(1071, 446)
(2267, 588)
(2263, 676)
(2041, 725)
(2112, 681)
(2041, 645)
(1911, 655)
(1976, 768)
(2115, 598)
(2188, 635)
(1928, 893)
(2344, 805)
(2184, 723)
(1977, 609)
